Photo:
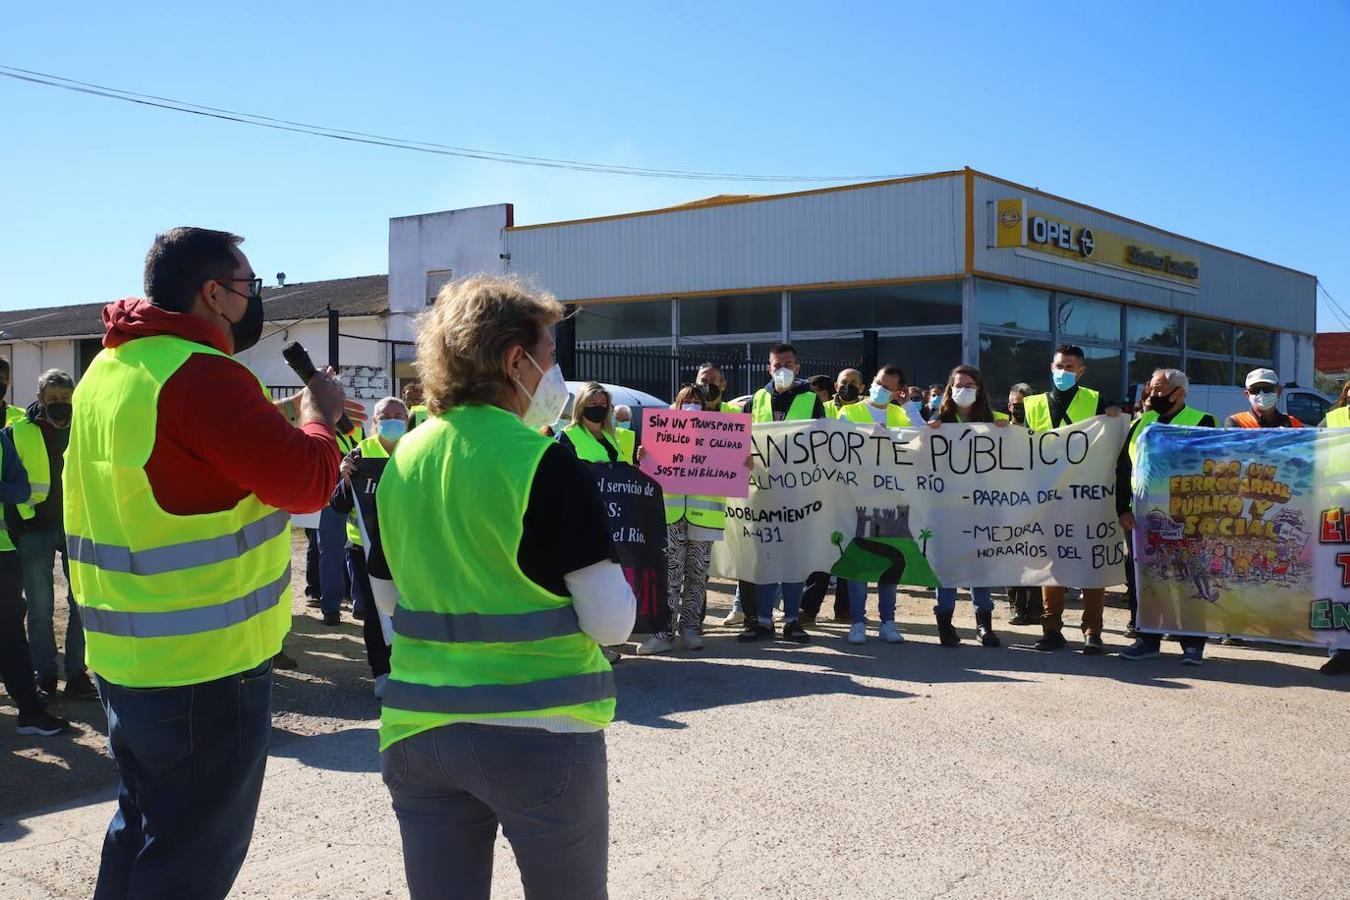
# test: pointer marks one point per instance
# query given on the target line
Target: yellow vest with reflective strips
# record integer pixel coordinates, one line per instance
(474, 637)
(1338, 417)
(896, 417)
(370, 448)
(1081, 408)
(591, 450)
(705, 512)
(6, 544)
(1188, 417)
(803, 405)
(14, 414)
(32, 449)
(166, 599)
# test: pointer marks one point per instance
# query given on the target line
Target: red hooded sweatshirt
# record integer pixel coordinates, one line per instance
(217, 438)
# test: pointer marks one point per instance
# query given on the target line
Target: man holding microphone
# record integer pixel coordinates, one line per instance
(179, 484)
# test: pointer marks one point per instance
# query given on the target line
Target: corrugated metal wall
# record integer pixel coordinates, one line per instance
(890, 231)
(1231, 286)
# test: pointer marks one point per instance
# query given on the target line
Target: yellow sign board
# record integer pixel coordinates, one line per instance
(1015, 226)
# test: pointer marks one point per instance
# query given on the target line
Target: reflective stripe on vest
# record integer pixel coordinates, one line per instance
(474, 637)
(176, 557)
(166, 599)
(485, 699)
(802, 408)
(459, 628)
(1081, 408)
(705, 512)
(32, 450)
(370, 448)
(183, 622)
(1339, 417)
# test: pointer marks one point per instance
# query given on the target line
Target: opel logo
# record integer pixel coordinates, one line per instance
(1009, 218)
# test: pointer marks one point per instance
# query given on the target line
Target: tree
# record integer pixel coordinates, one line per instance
(924, 536)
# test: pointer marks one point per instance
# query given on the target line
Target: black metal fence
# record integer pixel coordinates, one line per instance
(661, 370)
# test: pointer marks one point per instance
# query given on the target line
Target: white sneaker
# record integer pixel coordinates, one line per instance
(691, 639)
(857, 633)
(890, 634)
(380, 682)
(735, 617)
(655, 644)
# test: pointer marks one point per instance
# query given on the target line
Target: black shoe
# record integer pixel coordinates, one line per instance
(1051, 640)
(314, 603)
(793, 631)
(1337, 665)
(1092, 645)
(947, 635)
(984, 629)
(332, 618)
(1024, 618)
(284, 660)
(47, 685)
(755, 631)
(359, 613)
(80, 688)
(41, 722)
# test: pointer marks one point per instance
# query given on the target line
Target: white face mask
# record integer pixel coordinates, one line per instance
(784, 378)
(1267, 399)
(548, 399)
(964, 397)
(692, 407)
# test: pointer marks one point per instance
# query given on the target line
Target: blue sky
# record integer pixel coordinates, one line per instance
(1228, 122)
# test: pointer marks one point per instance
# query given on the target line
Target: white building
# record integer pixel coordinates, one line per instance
(932, 270)
(68, 337)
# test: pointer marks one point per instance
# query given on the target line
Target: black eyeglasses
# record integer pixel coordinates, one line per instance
(254, 286)
(1261, 389)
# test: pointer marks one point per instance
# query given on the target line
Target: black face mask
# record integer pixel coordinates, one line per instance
(709, 393)
(596, 414)
(58, 413)
(1160, 403)
(1018, 411)
(248, 329)
(848, 392)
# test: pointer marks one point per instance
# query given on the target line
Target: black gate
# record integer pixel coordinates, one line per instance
(661, 371)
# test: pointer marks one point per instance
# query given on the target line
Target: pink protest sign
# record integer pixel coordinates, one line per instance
(697, 452)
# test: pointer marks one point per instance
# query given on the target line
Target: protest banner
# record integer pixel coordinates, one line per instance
(964, 505)
(697, 452)
(1243, 532)
(637, 521)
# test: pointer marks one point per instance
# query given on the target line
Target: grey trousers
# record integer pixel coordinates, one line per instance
(453, 785)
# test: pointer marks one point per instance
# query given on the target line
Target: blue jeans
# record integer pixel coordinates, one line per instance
(766, 598)
(37, 554)
(191, 760)
(857, 602)
(332, 560)
(946, 600)
(454, 785)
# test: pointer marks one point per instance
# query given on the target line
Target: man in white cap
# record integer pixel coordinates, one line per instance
(1263, 392)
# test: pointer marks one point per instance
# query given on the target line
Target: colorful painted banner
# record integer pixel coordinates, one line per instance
(1243, 532)
(696, 452)
(962, 505)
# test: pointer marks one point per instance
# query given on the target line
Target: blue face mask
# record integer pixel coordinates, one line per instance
(392, 429)
(625, 425)
(1063, 379)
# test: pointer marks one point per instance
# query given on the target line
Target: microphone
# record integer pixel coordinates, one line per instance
(297, 357)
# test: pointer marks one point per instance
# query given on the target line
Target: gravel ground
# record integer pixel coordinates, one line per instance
(820, 771)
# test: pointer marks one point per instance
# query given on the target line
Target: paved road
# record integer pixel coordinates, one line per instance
(838, 771)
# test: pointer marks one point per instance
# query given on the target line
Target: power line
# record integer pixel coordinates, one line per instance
(1337, 310)
(362, 137)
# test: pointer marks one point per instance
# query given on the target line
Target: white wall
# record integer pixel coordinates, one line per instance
(465, 241)
(29, 360)
(267, 363)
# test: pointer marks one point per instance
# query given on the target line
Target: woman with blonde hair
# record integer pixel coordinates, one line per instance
(495, 708)
(592, 434)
